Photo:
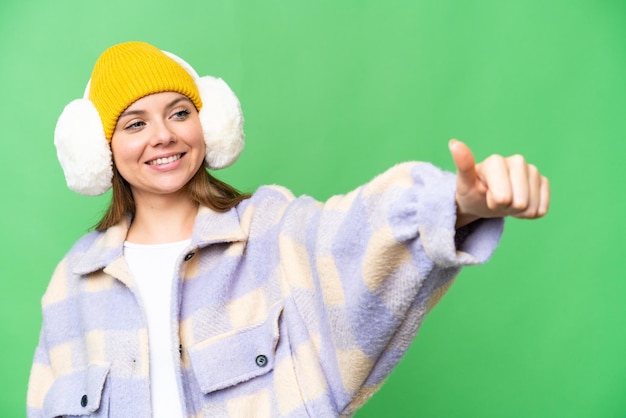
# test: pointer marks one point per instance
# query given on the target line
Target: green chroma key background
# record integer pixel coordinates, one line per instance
(335, 92)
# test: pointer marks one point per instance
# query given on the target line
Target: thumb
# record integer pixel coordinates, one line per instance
(464, 161)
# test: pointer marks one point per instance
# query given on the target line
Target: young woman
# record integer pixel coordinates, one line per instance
(194, 300)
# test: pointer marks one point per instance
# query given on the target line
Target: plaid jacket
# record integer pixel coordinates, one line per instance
(285, 307)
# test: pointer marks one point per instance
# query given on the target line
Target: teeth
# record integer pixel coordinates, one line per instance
(160, 161)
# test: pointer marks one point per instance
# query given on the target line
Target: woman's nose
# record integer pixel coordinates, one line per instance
(162, 134)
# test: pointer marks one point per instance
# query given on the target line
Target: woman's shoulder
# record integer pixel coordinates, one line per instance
(60, 283)
(402, 174)
(91, 247)
(84, 244)
(272, 192)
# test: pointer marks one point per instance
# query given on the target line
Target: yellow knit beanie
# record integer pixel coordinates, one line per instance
(127, 72)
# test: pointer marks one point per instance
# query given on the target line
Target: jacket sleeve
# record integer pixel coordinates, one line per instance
(363, 269)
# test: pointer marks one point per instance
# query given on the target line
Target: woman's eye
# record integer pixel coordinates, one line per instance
(181, 114)
(134, 125)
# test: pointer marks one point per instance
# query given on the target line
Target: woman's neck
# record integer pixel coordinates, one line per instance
(161, 219)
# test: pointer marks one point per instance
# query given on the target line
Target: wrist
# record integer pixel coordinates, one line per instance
(463, 219)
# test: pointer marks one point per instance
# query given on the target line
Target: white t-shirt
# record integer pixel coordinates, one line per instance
(152, 267)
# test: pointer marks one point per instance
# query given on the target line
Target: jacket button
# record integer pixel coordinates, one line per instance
(261, 360)
(188, 256)
(83, 401)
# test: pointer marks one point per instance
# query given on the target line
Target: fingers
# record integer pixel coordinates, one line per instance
(539, 197)
(534, 196)
(522, 187)
(498, 186)
(465, 164)
(514, 187)
(544, 203)
(494, 173)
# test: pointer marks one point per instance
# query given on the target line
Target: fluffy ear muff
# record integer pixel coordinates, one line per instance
(82, 149)
(221, 118)
(222, 122)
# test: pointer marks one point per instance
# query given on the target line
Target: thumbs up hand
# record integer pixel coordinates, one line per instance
(498, 186)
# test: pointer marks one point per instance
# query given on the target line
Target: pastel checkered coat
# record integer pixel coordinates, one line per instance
(284, 307)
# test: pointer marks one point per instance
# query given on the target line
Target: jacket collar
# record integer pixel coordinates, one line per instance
(210, 227)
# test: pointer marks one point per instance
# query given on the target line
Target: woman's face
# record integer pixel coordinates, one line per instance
(158, 144)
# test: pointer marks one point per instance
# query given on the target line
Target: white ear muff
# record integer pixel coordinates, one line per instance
(221, 118)
(82, 149)
(222, 122)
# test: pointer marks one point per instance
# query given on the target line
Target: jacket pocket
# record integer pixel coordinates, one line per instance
(79, 394)
(228, 359)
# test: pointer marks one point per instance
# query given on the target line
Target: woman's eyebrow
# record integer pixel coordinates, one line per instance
(168, 106)
(178, 99)
(132, 112)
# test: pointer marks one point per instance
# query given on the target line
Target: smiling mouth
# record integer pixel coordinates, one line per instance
(167, 160)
